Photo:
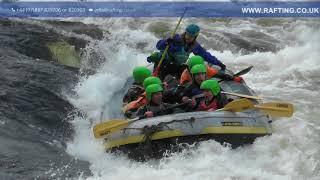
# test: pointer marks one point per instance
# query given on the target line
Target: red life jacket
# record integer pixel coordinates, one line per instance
(204, 107)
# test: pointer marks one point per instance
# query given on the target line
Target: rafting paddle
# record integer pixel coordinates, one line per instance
(111, 126)
(244, 71)
(273, 109)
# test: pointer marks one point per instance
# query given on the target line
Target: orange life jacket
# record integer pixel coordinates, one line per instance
(185, 76)
(133, 105)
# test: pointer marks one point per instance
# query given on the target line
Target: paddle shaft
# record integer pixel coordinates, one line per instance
(242, 95)
(271, 108)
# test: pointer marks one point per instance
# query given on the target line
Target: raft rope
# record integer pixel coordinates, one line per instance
(148, 131)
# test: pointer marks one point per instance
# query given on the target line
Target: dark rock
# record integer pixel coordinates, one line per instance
(251, 41)
(32, 40)
(34, 113)
(79, 28)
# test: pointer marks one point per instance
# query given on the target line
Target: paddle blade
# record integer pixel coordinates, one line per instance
(108, 127)
(244, 71)
(276, 109)
(238, 105)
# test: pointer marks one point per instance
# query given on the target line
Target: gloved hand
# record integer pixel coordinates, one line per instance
(185, 99)
(228, 77)
(154, 57)
(148, 114)
(193, 102)
(222, 66)
(237, 78)
(169, 41)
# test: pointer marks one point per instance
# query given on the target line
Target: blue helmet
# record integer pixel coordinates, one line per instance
(193, 30)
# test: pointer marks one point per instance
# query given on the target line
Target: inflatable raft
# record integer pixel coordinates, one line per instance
(154, 137)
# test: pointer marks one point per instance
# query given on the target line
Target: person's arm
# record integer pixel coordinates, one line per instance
(222, 75)
(199, 50)
(173, 95)
(194, 103)
(198, 101)
(161, 44)
(186, 91)
(222, 100)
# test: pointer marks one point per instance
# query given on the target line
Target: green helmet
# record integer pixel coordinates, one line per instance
(199, 68)
(193, 30)
(212, 85)
(194, 60)
(151, 80)
(140, 73)
(153, 88)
